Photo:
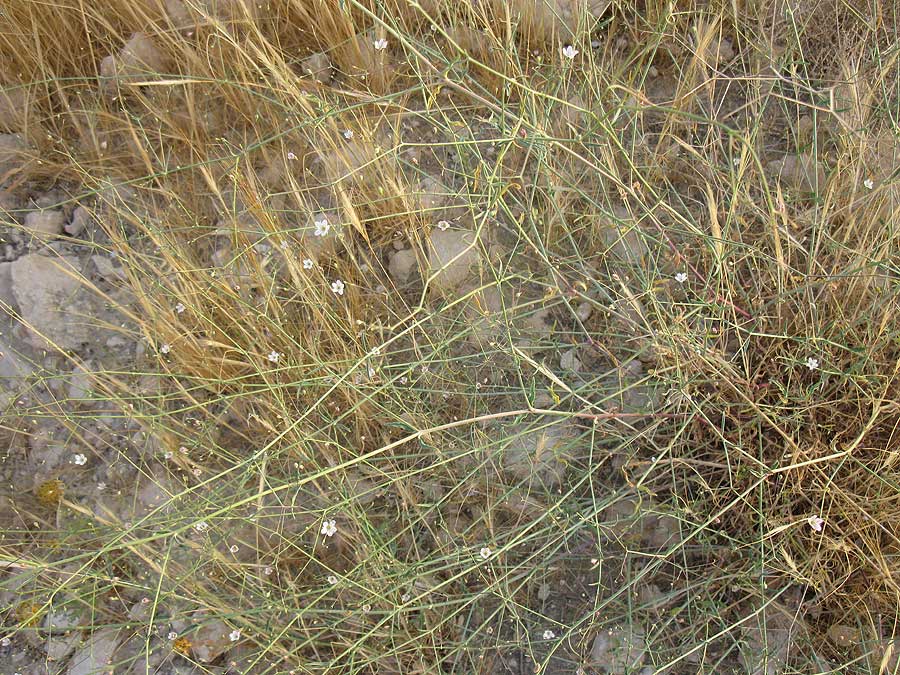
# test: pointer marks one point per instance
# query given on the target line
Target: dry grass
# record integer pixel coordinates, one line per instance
(678, 499)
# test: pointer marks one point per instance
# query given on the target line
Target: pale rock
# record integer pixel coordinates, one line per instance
(138, 60)
(52, 300)
(767, 643)
(437, 201)
(453, 259)
(569, 361)
(402, 265)
(619, 649)
(13, 108)
(210, 641)
(318, 66)
(801, 172)
(538, 454)
(45, 224)
(14, 151)
(97, 654)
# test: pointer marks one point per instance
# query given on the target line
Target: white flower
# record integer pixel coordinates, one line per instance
(267, 570)
(332, 579)
(322, 227)
(5, 642)
(179, 308)
(404, 379)
(443, 225)
(198, 472)
(233, 548)
(549, 635)
(736, 161)
(868, 183)
(348, 134)
(337, 287)
(291, 155)
(569, 52)
(812, 363)
(329, 527)
(380, 44)
(172, 635)
(307, 263)
(366, 608)
(79, 459)
(681, 277)
(274, 356)
(485, 553)
(183, 450)
(201, 526)
(371, 372)
(101, 487)
(234, 635)
(816, 523)
(404, 597)
(166, 348)
(168, 454)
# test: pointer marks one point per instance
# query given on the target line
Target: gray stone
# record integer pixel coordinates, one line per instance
(47, 223)
(569, 361)
(454, 259)
(801, 172)
(13, 154)
(401, 266)
(52, 301)
(619, 650)
(139, 59)
(96, 655)
(538, 455)
(318, 66)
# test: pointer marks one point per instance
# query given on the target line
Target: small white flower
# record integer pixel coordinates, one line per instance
(404, 379)
(183, 450)
(736, 161)
(322, 227)
(549, 635)
(380, 44)
(868, 183)
(485, 553)
(569, 52)
(5, 642)
(172, 635)
(198, 472)
(329, 527)
(166, 348)
(267, 570)
(371, 372)
(234, 635)
(179, 308)
(79, 459)
(168, 454)
(812, 363)
(145, 601)
(404, 597)
(366, 608)
(234, 548)
(332, 579)
(348, 134)
(201, 526)
(307, 263)
(681, 277)
(101, 487)
(273, 356)
(816, 523)
(291, 156)
(337, 287)
(443, 225)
